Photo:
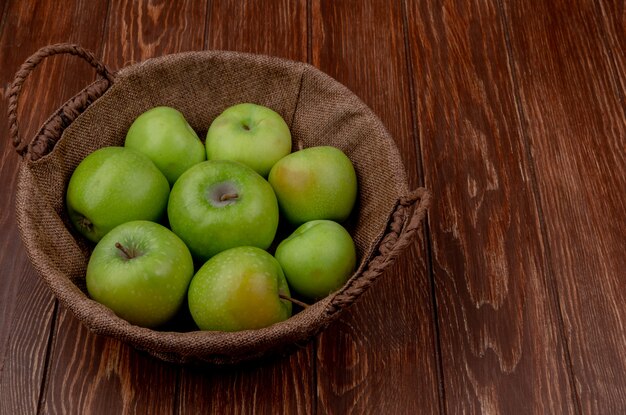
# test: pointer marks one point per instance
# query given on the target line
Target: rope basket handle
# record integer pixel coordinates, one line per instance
(25, 70)
(401, 231)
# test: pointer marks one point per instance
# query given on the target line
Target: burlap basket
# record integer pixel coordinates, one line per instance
(319, 111)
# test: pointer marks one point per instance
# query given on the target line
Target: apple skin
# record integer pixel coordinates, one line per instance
(148, 289)
(209, 225)
(164, 135)
(317, 258)
(238, 289)
(315, 183)
(114, 185)
(251, 134)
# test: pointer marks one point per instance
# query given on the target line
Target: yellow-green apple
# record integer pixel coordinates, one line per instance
(164, 135)
(216, 205)
(239, 289)
(114, 185)
(140, 270)
(315, 183)
(317, 258)
(251, 134)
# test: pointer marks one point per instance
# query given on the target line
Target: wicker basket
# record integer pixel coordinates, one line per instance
(319, 111)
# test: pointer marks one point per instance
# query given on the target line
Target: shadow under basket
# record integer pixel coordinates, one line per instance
(318, 110)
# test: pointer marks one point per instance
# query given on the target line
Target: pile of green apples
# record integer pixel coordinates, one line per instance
(180, 222)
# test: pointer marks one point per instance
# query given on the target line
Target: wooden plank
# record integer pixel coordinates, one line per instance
(282, 385)
(277, 28)
(381, 355)
(95, 375)
(612, 15)
(571, 103)
(140, 30)
(501, 342)
(91, 374)
(27, 307)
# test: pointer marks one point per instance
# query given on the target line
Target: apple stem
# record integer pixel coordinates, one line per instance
(125, 251)
(293, 300)
(228, 196)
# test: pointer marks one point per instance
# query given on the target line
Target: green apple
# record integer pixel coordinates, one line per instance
(216, 205)
(141, 271)
(239, 289)
(250, 134)
(315, 183)
(317, 258)
(114, 185)
(164, 135)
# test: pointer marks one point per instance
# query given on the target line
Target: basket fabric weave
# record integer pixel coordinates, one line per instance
(319, 111)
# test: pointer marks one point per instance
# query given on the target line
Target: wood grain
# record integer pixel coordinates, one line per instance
(575, 122)
(612, 23)
(95, 375)
(385, 345)
(91, 374)
(138, 30)
(500, 329)
(28, 309)
(7, 219)
(277, 28)
(283, 385)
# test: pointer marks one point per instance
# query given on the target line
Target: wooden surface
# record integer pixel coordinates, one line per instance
(513, 298)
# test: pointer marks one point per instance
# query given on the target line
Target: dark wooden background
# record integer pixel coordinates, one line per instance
(512, 301)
